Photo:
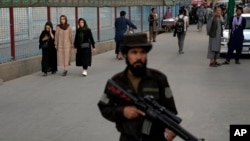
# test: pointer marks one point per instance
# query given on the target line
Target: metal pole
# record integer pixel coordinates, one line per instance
(230, 11)
(98, 23)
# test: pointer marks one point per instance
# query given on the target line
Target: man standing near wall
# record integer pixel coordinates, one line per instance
(121, 26)
(153, 24)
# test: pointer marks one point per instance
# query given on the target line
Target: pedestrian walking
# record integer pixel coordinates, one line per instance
(47, 44)
(201, 13)
(139, 81)
(83, 42)
(214, 31)
(153, 25)
(64, 42)
(236, 27)
(181, 24)
(121, 27)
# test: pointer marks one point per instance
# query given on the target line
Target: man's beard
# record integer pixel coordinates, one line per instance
(137, 70)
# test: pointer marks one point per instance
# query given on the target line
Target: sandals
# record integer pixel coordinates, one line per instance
(218, 64)
(65, 73)
(215, 64)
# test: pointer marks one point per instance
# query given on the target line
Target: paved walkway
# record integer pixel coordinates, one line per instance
(56, 108)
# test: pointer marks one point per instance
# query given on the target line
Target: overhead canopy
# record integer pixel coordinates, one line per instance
(81, 3)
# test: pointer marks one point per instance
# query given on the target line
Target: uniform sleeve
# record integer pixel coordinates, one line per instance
(166, 96)
(109, 110)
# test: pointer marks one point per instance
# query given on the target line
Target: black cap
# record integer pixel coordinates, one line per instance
(135, 40)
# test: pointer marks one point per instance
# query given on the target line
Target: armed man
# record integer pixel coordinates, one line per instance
(140, 81)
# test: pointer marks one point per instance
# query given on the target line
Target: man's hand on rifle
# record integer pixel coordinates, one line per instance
(170, 135)
(131, 112)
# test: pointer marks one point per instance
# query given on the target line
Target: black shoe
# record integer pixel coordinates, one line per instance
(226, 63)
(53, 72)
(237, 62)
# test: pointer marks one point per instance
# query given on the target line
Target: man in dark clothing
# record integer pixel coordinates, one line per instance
(121, 26)
(138, 80)
(153, 24)
(236, 26)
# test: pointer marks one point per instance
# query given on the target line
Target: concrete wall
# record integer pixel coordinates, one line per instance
(22, 67)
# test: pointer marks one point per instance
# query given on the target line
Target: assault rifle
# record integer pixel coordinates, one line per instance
(152, 109)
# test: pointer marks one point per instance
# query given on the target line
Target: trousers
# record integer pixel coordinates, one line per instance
(181, 38)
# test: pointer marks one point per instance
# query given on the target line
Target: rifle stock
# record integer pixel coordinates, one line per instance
(152, 109)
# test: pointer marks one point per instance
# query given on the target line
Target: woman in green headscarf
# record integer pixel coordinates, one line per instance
(49, 54)
(83, 42)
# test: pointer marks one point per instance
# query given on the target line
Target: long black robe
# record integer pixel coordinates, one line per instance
(49, 55)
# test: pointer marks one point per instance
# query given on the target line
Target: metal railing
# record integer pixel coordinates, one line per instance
(20, 28)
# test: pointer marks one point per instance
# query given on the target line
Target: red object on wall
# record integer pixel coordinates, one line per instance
(76, 17)
(48, 14)
(12, 34)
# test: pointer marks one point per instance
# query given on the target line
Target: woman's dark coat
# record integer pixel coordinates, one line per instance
(84, 55)
(49, 55)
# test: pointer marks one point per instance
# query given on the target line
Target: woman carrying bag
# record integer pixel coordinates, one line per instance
(83, 42)
(49, 54)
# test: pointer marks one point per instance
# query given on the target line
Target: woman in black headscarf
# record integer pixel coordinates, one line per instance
(83, 42)
(49, 54)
